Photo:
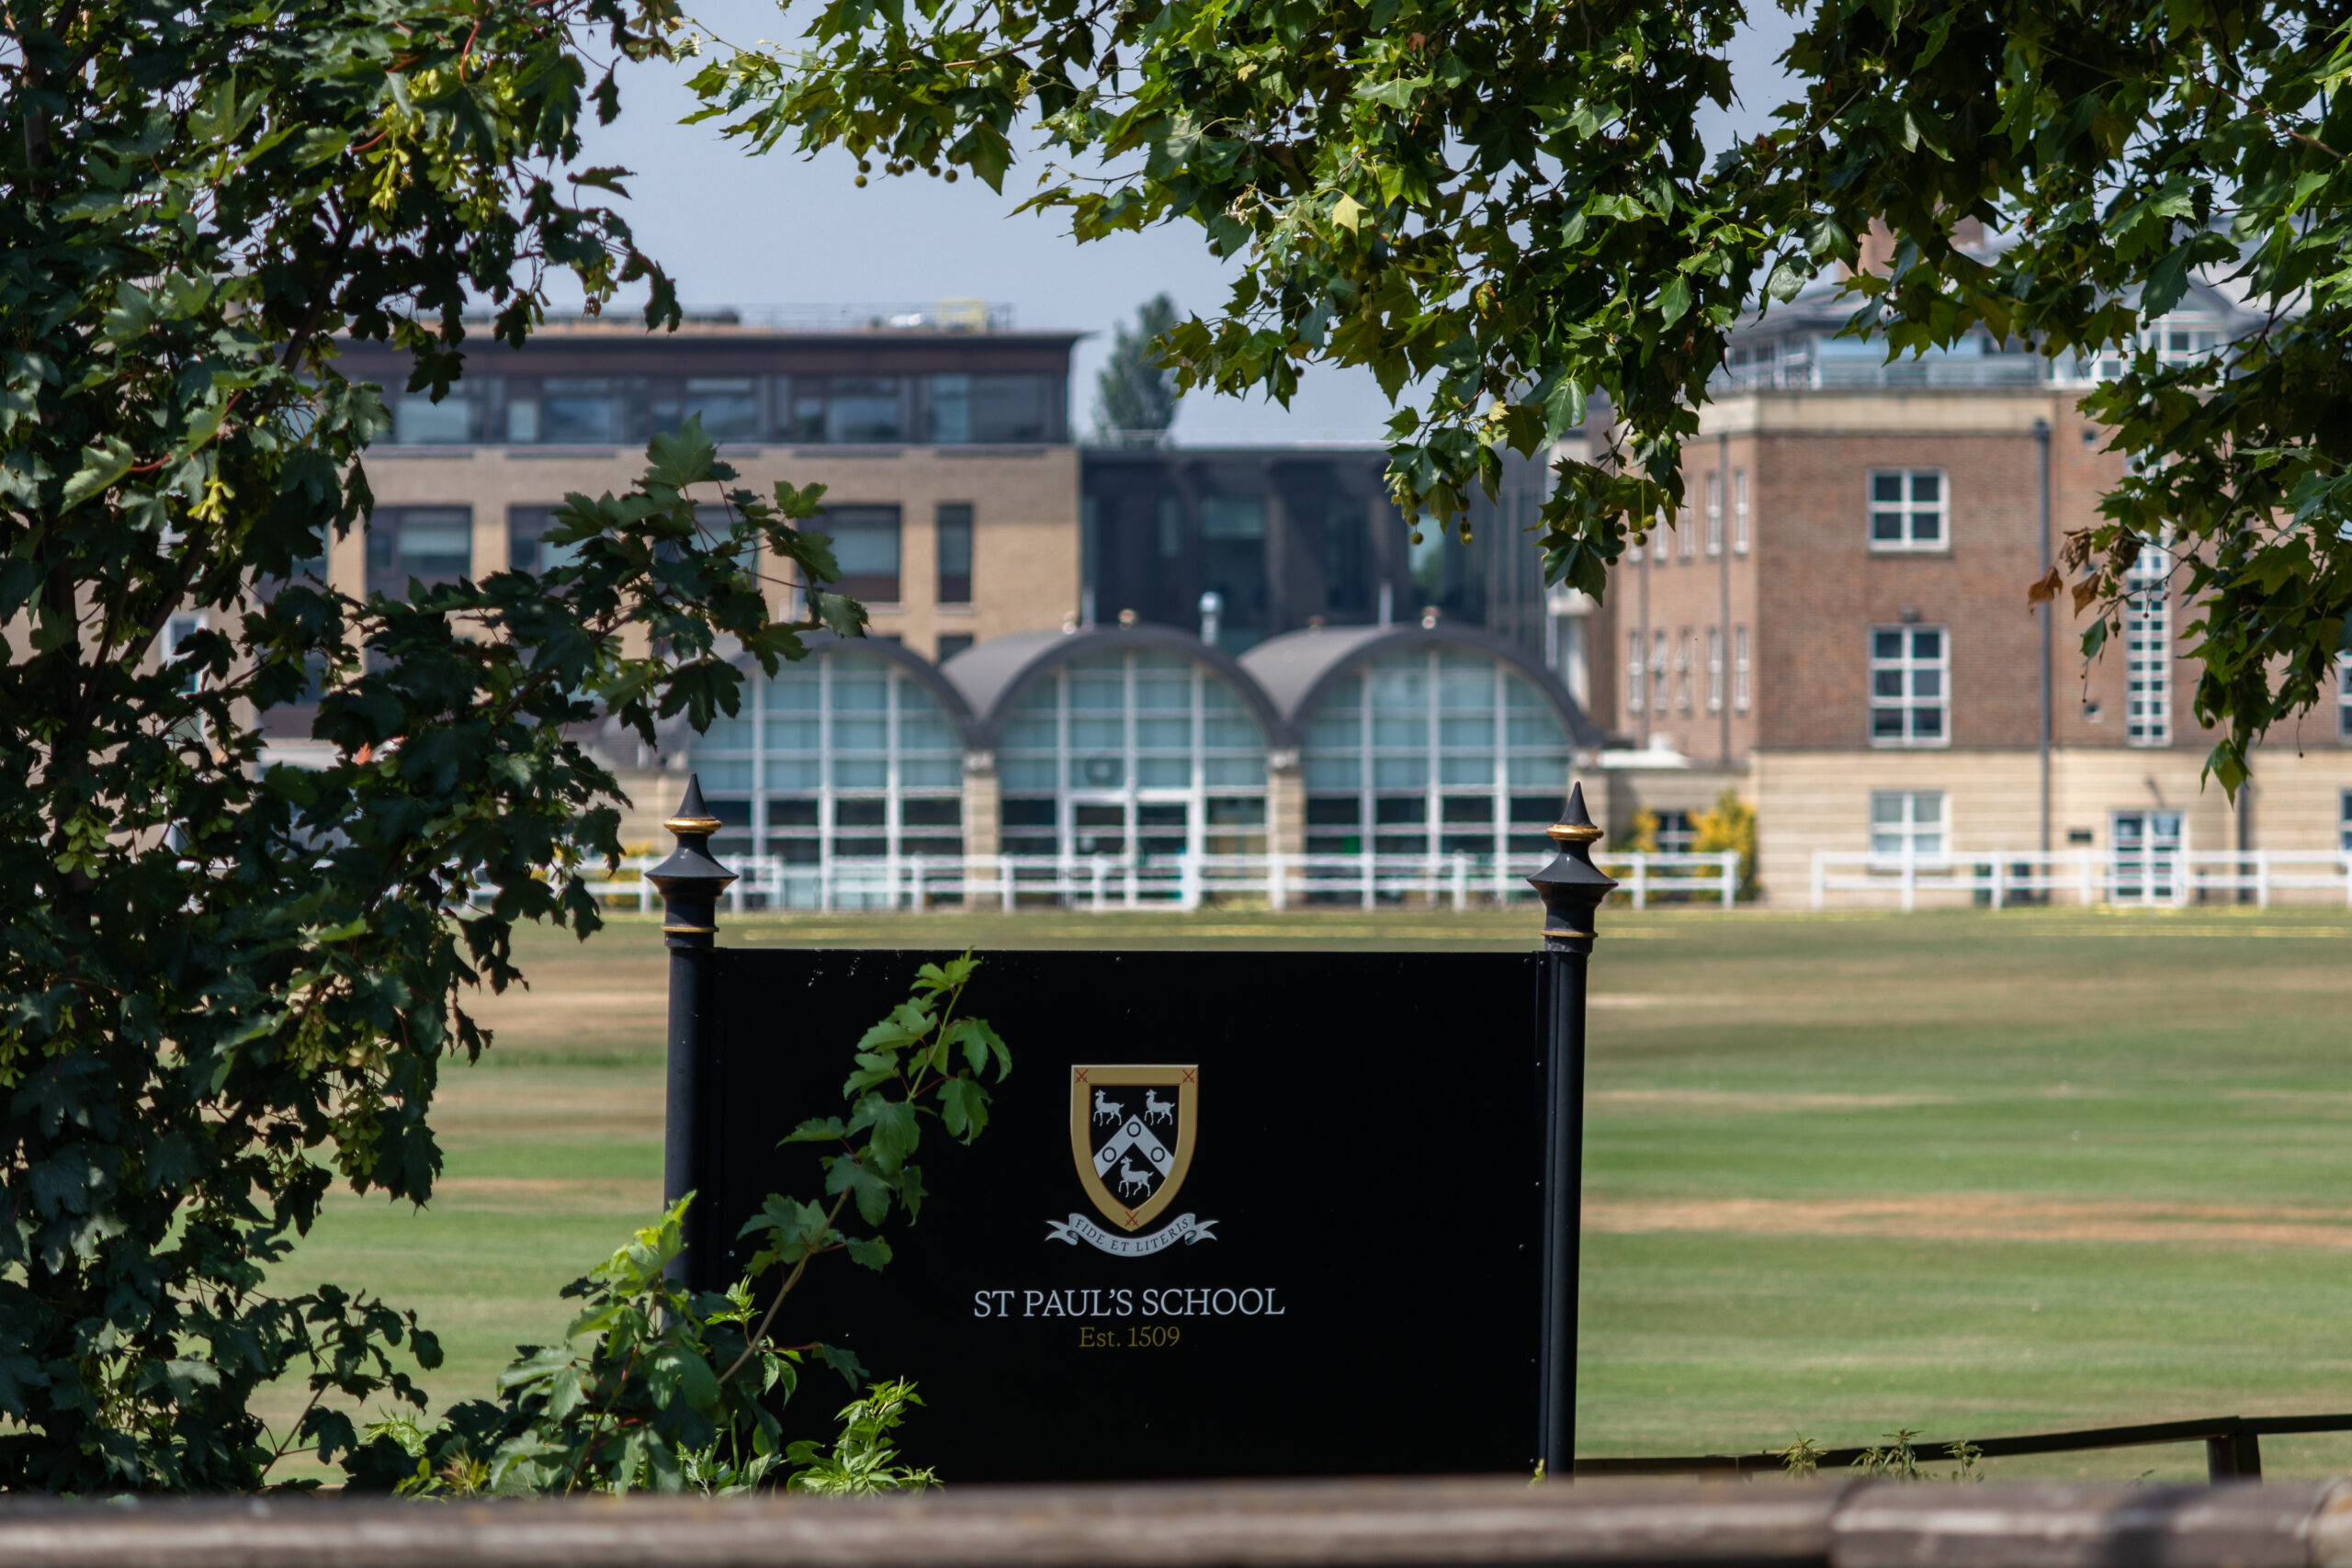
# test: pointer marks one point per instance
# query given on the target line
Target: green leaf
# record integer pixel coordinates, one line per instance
(846, 1362)
(686, 458)
(104, 462)
(870, 1252)
(1674, 299)
(893, 1127)
(906, 1024)
(1563, 410)
(869, 1192)
(963, 1108)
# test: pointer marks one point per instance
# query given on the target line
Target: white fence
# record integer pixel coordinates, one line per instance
(1182, 881)
(2143, 878)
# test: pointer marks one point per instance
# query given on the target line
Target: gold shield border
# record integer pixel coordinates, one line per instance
(1084, 1080)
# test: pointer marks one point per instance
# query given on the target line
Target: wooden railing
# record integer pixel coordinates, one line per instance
(1377, 1524)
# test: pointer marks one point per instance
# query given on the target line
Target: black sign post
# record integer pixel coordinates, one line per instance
(690, 883)
(1572, 888)
(1234, 1213)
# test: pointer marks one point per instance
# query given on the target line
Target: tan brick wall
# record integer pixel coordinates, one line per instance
(652, 796)
(983, 805)
(1820, 800)
(1285, 806)
(1025, 501)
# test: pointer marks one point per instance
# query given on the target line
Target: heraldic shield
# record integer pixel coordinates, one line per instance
(1131, 1130)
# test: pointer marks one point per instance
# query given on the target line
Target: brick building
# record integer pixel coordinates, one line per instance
(1837, 629)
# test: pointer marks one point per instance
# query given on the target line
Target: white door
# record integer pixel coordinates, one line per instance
(2143, 855)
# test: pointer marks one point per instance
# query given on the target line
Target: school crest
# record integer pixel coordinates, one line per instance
(1132, 1133)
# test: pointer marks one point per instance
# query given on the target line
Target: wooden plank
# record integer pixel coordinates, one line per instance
(1223, 1525)
(1387, 1524)
(1890, 1525)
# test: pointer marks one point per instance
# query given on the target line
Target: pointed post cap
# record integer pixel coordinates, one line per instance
(1571, 887)
(690, 881)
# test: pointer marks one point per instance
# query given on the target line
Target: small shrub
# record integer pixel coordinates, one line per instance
(1730, 825)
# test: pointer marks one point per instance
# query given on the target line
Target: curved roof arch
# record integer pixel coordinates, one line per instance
(1295, 669)
(674, 737)
(992, 675)
(908, 663)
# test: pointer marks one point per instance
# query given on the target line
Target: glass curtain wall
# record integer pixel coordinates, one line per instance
(1439, 753)
(841, 766)
(1132, 753)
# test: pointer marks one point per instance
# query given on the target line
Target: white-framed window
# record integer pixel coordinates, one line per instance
(1739, 512)
(2147, 650)
(1908, 824)
(1740, 681)
(1634, 677)
(177, 631)
(2185, 339)
(1714, 670)
(2343, 822)
(1661, 672)
(2182, 338)
(1715, 513)
(1908, 509)
(1688, 537)
(1689, 669)
(1910, 686)
(2344, 700)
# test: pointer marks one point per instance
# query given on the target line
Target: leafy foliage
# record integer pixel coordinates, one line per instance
(1135, 396)
(1729, 824)
(227, 983)
(860, 1461)
(659, 1386)
(1504, 211)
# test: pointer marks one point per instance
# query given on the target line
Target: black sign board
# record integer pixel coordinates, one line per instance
(1236, 1214)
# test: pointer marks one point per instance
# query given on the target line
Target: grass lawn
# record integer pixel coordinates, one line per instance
(1970, 1174)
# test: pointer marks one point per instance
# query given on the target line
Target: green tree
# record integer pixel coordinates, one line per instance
(1507, 209)
(1134, 396)
(224, 985)
(655, 1385)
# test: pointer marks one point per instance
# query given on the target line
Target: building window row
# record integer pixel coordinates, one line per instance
(603, 411)
(1687, 530)
(435, 544)
(1663, 677)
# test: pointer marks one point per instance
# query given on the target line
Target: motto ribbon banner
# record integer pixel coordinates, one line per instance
(1186, 1228)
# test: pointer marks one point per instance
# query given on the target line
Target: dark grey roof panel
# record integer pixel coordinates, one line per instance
(986, 671)
(1295, 668)
(1293, 665)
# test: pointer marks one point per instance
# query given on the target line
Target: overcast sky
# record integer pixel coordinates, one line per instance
(736, 230)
